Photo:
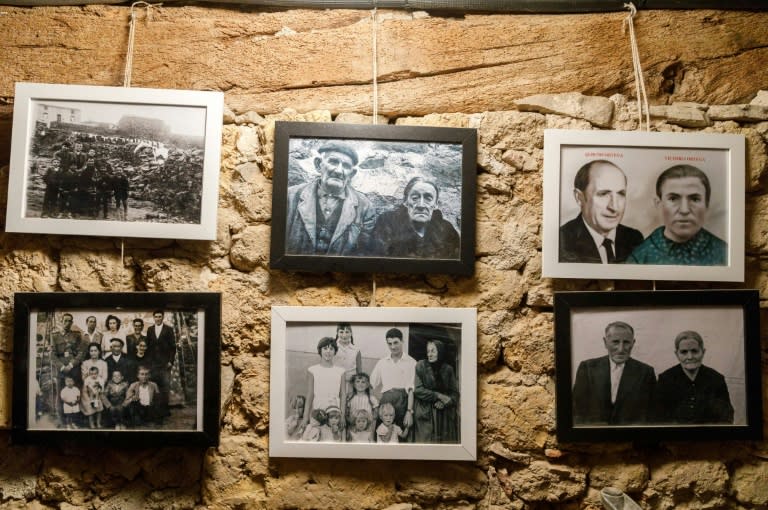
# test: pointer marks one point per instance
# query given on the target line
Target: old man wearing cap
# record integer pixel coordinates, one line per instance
(328, 216)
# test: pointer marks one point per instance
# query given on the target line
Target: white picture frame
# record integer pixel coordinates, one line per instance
(642, 157)
(163, 145)
(293, 347)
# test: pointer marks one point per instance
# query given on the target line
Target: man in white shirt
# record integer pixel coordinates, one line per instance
(92, 336)
(596, 235)
(395, 375)
(614, 389)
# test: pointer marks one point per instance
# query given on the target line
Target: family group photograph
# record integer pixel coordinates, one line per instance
(115, 162)
(644, 205)
(373, 383)
(665, 366)
(114, 369)
(373, 198)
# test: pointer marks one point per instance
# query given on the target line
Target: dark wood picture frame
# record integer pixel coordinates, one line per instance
(727, 321)
(194, 317)
(378, 139)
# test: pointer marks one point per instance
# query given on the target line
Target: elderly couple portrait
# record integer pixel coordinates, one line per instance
(676, 233)
(373, 199)
(619, 389)
(373, 384)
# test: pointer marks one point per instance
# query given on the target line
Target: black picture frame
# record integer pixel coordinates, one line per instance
(302, 140)
(193, 378)
(728, 322)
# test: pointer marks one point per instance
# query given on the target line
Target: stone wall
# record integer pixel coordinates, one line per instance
(315, 66)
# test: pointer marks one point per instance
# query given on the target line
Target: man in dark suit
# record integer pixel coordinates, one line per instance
(117, 360)
(161, 348)
(614, 389)
(596, 235)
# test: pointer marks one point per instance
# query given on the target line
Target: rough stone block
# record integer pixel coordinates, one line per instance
(739, 112)
(250, 248)
(251, 394)
(19, 468)
(491, 330)
(545, 482)
(95, 271)
(456, 482)
(682, 114)
(748, 484)
(594, 109)
(358, 118)
(456, 120)
(626, 476)
(518, 417)
(248, 143)
(695, 482)
(172, 274)
(761, 99)
(235, 472)
(529, 344)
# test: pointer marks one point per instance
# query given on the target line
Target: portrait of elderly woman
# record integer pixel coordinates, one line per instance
(436, 398)
(691, 392)
(416, 228)
(683, 194)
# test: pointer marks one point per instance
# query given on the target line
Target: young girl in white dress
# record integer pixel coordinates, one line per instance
(348, 354)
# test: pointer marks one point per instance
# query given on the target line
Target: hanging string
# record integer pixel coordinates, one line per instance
(375, 80)
(132, 36)
(375, 70)
(127, 80)
(642, 97)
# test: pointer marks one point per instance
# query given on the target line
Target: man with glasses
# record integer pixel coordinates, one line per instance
(327, 216)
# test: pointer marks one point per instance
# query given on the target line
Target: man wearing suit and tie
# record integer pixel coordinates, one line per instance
(596, 235)
(614, 389)
(161, 348)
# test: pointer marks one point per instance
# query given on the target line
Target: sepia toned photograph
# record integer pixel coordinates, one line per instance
(667, 365)
(115, 161)
(640, 205)
(373, 383)
(373, 198)
(117, 364)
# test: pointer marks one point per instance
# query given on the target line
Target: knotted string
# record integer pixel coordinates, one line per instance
(132, 36)
(642, 97)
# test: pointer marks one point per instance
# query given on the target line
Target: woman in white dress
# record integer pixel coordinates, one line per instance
(325, 382)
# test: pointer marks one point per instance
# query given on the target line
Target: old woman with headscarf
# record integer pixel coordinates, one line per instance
(436, 398)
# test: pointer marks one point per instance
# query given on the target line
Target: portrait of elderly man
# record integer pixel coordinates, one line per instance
(327, 216)
(690, 392)
(416, 228)
(596, 235)
(682, 196)
(614, 389)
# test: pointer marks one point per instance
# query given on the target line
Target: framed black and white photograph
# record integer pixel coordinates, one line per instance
(643, 206)
(373, 198)
(373, 383)
(114, 161)
(657, 366)
(117, 369)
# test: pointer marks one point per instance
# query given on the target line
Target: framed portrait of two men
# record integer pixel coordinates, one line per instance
(373, 198)
(644, 206)
(124, 369)
(657, 366)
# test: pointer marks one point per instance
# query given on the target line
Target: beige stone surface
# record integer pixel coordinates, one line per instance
(447, 71)
(595, 110)
(544, 481)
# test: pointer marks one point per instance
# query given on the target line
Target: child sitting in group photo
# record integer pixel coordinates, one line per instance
(389, 431)
(293, 422)
(141, 399)
(360, 431)
(334, 430)
(113, 399)
(313, 430)
(361, 399)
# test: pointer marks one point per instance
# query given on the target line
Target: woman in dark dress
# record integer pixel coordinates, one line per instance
(691, 392)
(436, 398)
